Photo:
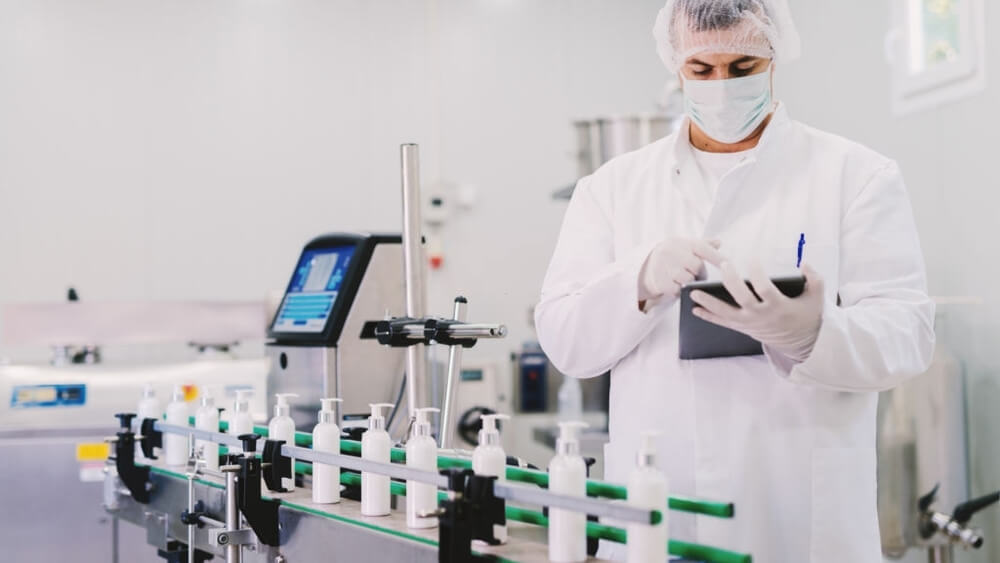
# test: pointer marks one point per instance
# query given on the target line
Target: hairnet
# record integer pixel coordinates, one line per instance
(759, 28)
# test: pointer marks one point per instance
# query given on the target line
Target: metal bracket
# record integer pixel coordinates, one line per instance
(135, 478)
(221, 537)
(149, 437)
(470, 512)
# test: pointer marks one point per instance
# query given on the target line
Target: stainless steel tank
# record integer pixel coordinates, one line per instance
(921, 443)
(599, 140)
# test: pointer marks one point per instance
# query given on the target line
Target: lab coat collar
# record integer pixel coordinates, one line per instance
(688, 175)
(684, 153)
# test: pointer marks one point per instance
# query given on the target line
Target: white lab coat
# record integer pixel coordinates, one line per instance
(793, 446)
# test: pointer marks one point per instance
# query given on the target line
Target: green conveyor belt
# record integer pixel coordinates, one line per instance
(595, 488)
(516, 514)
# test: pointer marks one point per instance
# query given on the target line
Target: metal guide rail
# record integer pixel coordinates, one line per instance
(479, 501)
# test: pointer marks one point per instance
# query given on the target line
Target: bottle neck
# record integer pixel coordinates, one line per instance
(326, 417)
(568, 447)
(489, 438)
(645, 459)
(281, 410)
(242, 407)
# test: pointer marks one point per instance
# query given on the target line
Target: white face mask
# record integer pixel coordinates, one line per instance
(728, 110)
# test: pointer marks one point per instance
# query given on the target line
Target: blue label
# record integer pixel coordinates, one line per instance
(39, 396)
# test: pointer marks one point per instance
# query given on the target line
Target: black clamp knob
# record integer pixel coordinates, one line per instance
(249, 442)
(963, 512)
(125, 419)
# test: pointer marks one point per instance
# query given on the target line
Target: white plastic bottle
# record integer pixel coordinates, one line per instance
(240, 421)
(489, 459)
(570, 399)
(376, 446)
(282, 427)
(176, 445)
(568, 476)
(421, 453)
(207, 418)
(149, 407)
(647, 488)
(326, 438)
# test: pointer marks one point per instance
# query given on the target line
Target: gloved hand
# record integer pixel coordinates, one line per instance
(673, 263)
(787, 325)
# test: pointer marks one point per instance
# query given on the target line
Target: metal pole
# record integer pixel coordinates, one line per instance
(413, 269)
(941, 554)
(233, 552)
(114, 539)
(191, 476)
(446, 430)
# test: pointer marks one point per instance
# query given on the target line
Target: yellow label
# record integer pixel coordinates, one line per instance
(92, 452)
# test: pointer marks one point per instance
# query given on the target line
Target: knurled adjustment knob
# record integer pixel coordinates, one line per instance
(125, 419)
(249, 442)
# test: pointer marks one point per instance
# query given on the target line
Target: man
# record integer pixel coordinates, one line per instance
(743, 192)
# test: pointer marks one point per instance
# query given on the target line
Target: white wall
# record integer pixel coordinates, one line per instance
(187, 149)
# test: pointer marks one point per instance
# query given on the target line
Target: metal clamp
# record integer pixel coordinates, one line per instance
(275, 466)
(134, 477)
(221, 537)
(260, 513)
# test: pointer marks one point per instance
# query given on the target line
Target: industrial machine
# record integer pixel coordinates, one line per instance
(341, 283)
(194, 514)
(54, 418)
(344, 326)
(923, 463)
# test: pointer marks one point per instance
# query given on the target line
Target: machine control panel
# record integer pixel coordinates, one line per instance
(323, 288)
(313, 291)
(59, 395)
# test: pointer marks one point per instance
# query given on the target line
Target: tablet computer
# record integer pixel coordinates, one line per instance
(700, 339)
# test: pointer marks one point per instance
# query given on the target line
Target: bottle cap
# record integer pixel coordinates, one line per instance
(281, 407)
(326, 411)
(243, 400)
(490, 434)
(376, 421)
(646, 456)
(422, 427)
(569, 437)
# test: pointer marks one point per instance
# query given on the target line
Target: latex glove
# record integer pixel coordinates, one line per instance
(674, 263)
(787, 325)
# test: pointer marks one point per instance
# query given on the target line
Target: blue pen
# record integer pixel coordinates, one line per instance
(802, 245)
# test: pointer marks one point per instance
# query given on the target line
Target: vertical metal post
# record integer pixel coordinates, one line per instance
(114, 539)
(446, 431)
(414, 273)
(191, 476)
(337, 387)
(941, 554)
(233, 553)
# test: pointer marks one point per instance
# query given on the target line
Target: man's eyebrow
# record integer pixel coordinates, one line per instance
(697, 62)
(746, 59)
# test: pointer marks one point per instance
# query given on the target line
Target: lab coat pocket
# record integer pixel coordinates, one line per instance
(844, 514)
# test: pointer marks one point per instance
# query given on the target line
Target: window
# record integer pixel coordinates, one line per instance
(936, 48)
